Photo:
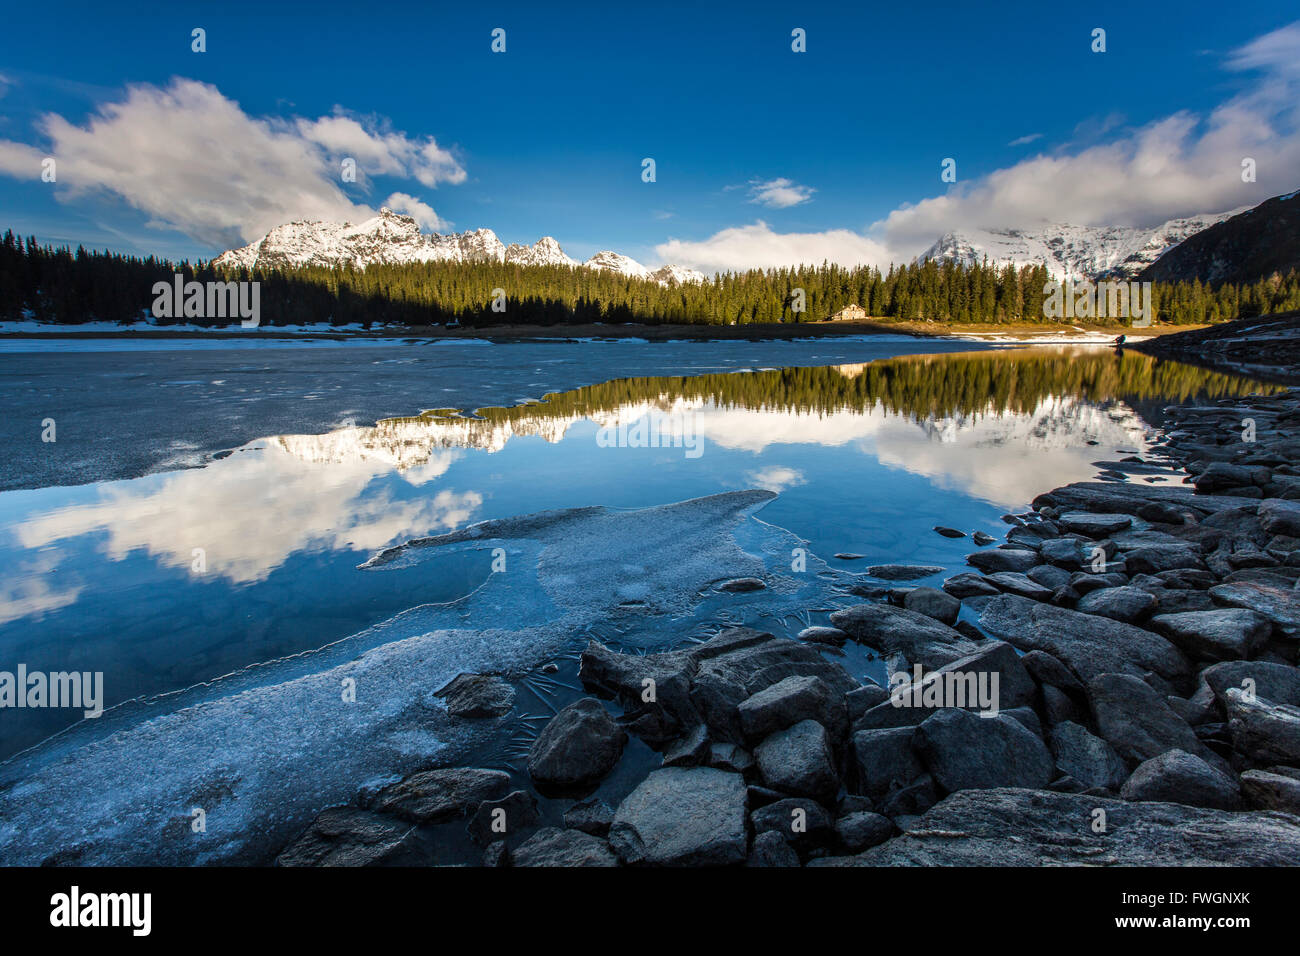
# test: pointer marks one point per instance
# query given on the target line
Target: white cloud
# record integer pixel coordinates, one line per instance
(422, 212)
(778, 193)
(758, 247)
(776, 478)
(1025, 140)
(194, 161)
(1177, 165)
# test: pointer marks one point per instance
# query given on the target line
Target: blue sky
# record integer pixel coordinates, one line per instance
(762, 154)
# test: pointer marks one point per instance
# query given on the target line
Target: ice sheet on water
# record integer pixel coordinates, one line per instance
(263, 750)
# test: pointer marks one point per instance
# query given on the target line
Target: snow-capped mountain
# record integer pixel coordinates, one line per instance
(391, 238)
(1072, 252)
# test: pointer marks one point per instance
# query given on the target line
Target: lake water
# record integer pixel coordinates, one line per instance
(227, 601)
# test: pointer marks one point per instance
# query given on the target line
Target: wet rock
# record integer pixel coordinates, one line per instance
(798, 760)
(1222, 476)
(1176, 776)
(552, 846)
(477, 695)
(849, 556)
(884, 759)
(1277, 516)
(963, 751)
(788, 702)
(1085, 582)
(802, 822)
(1002, 559)
(1067, 553)
(893, 630)
(903, 572)
(1093, 525)
(497, 819)
(771, 849)
(1271, 791)
(949, 532)
(982, 538)
(1012, 582)
(346, 836)
(861, 831)
(967, 585)
(436, 796)
(742, 585)
(1086, 757)
(970, 828)
(1264, 731)
(1219, 635)
(1125, 604)
(590, 816)
(861, 699)
(689, 751)
(1046, 669)
(1280, 605)
(823, 635)
(579, 746)
(1152, 560)
(1279, 683)
(933, 603)
(1048, 576)
(1087, 644)
(1136, 721)
(680, 816)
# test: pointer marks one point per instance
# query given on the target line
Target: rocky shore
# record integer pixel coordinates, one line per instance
(1116, 684)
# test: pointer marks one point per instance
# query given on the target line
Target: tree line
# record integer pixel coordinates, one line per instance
(66, 286)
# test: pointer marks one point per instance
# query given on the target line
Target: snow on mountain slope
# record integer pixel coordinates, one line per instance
(1072, 252)
(394, 239)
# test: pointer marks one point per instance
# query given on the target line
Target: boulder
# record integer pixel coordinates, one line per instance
(1136, 720)
(771, 849)
(683, 816)
(1012, 582)
(497, 819)
(963, 751)
(1281, 605)
(475, 696)
(552, 846)
(884, 759)
(798, 760)
(1127, 604)
(1219, 635)
(1264, 731)
(823, 635)
(933, 603)
(1176, 776)
(1086, 757)
(436, 796)
(968, 584)
(1087, 644)
(802, 822)
(893, 630)
(1012, 827)
(788, 702)
(1279, 516)
(1002, 559)
(862, 830)
(346, 836)
(903, 572)
(590, 816)
(1093, 525)
(579, 746)
(1271, 791)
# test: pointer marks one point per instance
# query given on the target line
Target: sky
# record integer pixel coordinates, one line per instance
(762, 155)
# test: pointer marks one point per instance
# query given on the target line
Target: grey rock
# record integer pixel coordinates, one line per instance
(742, 585)
(1046, 669)
(949, 532)
(933, 603)
(861, 831)
(1049, 576)
(689, 751)
(1263, 730)
(1279, 683)
(552, 846)
(1271, 791)
(798, 760)
(590, 816)
(823, 635)
(771, 850)
(788, 702)
(579, 746)
(971, 828)
(1087, 644)
(1086, 757)
(892, 630)
(982, 538)
(1157, 558)
(963, 751)
(1012, 582)
(346, 836)
(802, 822)
(1136, 721)
(1125, 604)
(884, 759)
(968, 584)
(436, 796)
(1278, 516)
(683, 816)
(1093, 525)
(1219, 635)
(728, 756)
(477, 696)
(1176, 776)
(1002, 559)
(861, 699)
(1280, 605)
